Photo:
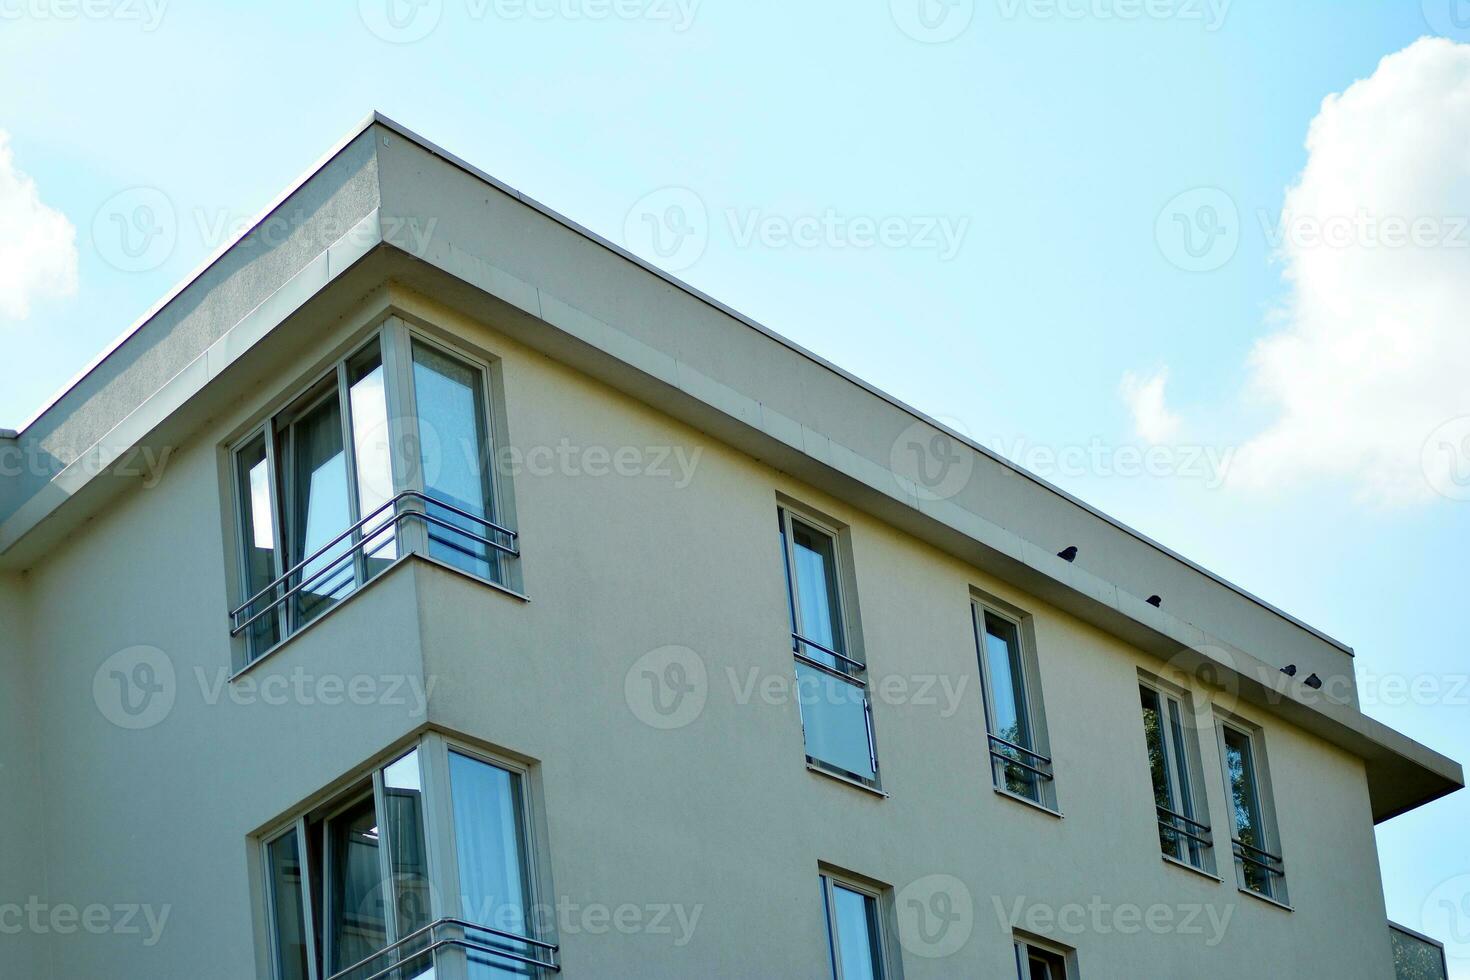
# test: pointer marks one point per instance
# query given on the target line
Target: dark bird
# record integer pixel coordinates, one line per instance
(1289, 670)
(1156, 601)
(1314, 682)
(1068, 553)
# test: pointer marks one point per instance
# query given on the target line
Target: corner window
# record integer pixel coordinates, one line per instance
(352, 894)
(832, 688)
(1173, 760)
(1258, 862)
(1035, 961)
(1016, 728)
(357, 471)
(855, 940)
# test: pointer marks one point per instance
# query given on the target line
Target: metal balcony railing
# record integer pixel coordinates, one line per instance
(1178, 823)
(1270, 863)
(368, 536)
(1040, 765)
(426, 950)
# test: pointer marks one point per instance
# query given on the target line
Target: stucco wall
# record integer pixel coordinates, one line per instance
(22, 832)
(719, 815)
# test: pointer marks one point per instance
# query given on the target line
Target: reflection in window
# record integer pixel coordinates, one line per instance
(854, 935)
(258, 542)
(371, 447)
(373, 908)
(1017, 763)
(1180, 830)
(452, 421)
(1258, 867)
(283, 862)
(832, 691)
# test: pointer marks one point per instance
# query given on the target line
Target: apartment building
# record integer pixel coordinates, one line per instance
(429, 588)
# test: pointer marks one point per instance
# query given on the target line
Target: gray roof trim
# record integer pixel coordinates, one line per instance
(377, 118)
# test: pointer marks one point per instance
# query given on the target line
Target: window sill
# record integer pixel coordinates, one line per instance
(1033, 804)
(385, 573)
(1186, 866)
(846, 780)
(1265, 898)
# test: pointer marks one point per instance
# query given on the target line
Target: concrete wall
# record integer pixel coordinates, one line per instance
(719, 815)
(22, 830)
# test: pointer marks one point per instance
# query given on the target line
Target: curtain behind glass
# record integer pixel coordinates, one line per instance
(357, 900)
(492, 883)
(856, 921)
(284, 862)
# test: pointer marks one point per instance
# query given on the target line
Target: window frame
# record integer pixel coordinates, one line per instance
(884, 934)
(440, 847)
(1276, 891)
(851, 660)
(1023, 946)
(1177, 701)
(393, 339)
(1038, 755)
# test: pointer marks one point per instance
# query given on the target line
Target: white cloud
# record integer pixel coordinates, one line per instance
(1144, 396)
(38, 245)
(1373, 355)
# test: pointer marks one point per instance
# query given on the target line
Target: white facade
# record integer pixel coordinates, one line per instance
(632, 667)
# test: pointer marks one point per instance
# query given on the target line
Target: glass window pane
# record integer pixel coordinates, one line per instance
(834, 718)
(258, 542)
(1046, 965)
(358, 923)
(320, 508)
(1158, 765)
(454, 454)
(819, 612)
(1009, 718)
(370, 445)
(1184, 792)
(403, 807)
(283, 860)
(854, 920)
(1245, 804)
(488, 839)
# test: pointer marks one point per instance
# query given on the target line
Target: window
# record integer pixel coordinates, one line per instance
(327, 496)
(1014, 722)
(351, 892)
(832, 690)
(855, 943)
(1173, 755)
(1037, 962)
(1258, 863)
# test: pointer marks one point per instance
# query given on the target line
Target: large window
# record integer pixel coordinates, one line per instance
(352, 894)
(1016, 729)
(855, 935)
(832, 689)
(1173, 760)
(358, 470)
(1258, 862)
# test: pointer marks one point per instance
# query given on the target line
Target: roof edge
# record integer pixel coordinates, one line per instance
(377, 118)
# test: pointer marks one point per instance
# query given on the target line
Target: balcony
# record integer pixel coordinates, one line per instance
(459, 949)
(1416, 956)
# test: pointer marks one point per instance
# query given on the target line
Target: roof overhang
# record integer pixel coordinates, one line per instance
(496, 255)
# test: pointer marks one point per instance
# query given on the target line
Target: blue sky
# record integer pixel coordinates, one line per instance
(1051, 139)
